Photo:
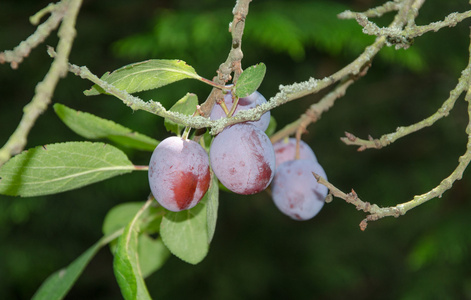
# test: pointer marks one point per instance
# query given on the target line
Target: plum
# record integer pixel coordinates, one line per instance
(296, 191)
(179, 173)
(243, 159)
(248, 102)
(285, 150)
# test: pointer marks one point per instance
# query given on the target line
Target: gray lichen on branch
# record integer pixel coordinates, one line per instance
(375, 212)
(67, 11)
(402, 37)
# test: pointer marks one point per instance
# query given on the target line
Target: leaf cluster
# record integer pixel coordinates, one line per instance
(130, 227)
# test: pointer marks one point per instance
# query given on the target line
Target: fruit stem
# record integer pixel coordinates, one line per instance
(298, 139)
(224, 107)
(235, 102)
(186, 132)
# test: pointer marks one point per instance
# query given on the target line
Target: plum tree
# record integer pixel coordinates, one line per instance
(285, 150)
(243, 159)
(296, 192)
(245, 103)
(179, 173)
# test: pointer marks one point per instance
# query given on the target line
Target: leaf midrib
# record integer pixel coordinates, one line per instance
(75, 175)
(194, 75)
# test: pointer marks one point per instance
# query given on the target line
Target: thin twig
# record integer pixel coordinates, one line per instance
(403, 38)
(16, 56)
(45, 88)
(403, 131)
(314, 112)
(373, 12)
(374, 211)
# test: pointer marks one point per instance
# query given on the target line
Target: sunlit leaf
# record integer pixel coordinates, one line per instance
(59, 283)
(250, 80)
(146, 75)
(93, 127)
(55, 168)
(187, 106)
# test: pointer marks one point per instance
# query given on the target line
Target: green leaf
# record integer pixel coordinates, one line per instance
(120, 215)
(152, 254)
(93, 127)
(146, 75)
(126, 261)
(185, 233)
(61, 167)
(250, 80)
(211, 200)
(187, 106)
(59, 283)
(271, 126)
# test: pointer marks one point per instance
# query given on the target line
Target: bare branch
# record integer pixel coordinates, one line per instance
(403, 38)
(400, 132)
(233, 61)
(375, 212)
(16, 56)
(373, 12)
(45, 88)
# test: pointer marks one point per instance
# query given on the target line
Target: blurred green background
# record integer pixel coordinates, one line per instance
(257, 252)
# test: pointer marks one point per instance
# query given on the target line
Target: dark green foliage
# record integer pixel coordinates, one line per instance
(281, 27)
(256, 252)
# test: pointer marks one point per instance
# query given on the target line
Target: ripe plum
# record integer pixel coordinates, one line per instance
(243, 159)
(285, 150)
(296, 191)
(248, 102)
(179, 173)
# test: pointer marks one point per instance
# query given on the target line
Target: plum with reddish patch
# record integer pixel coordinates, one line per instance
(243, 159)
(245, 103)
(296, 191)
(179, 173)
(285, 150)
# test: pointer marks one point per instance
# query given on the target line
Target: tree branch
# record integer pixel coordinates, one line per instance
(233, 61)
(403, 38)
(374, 211)
(45, 88)
(16, 56)
(400, 132)
(373, 12)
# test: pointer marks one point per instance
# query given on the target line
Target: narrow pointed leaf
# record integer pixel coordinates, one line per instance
(59, 283)
(146, 75)
(187, 106)
(250, 80)
(93, 127)
(126, 262)
(60, 167)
